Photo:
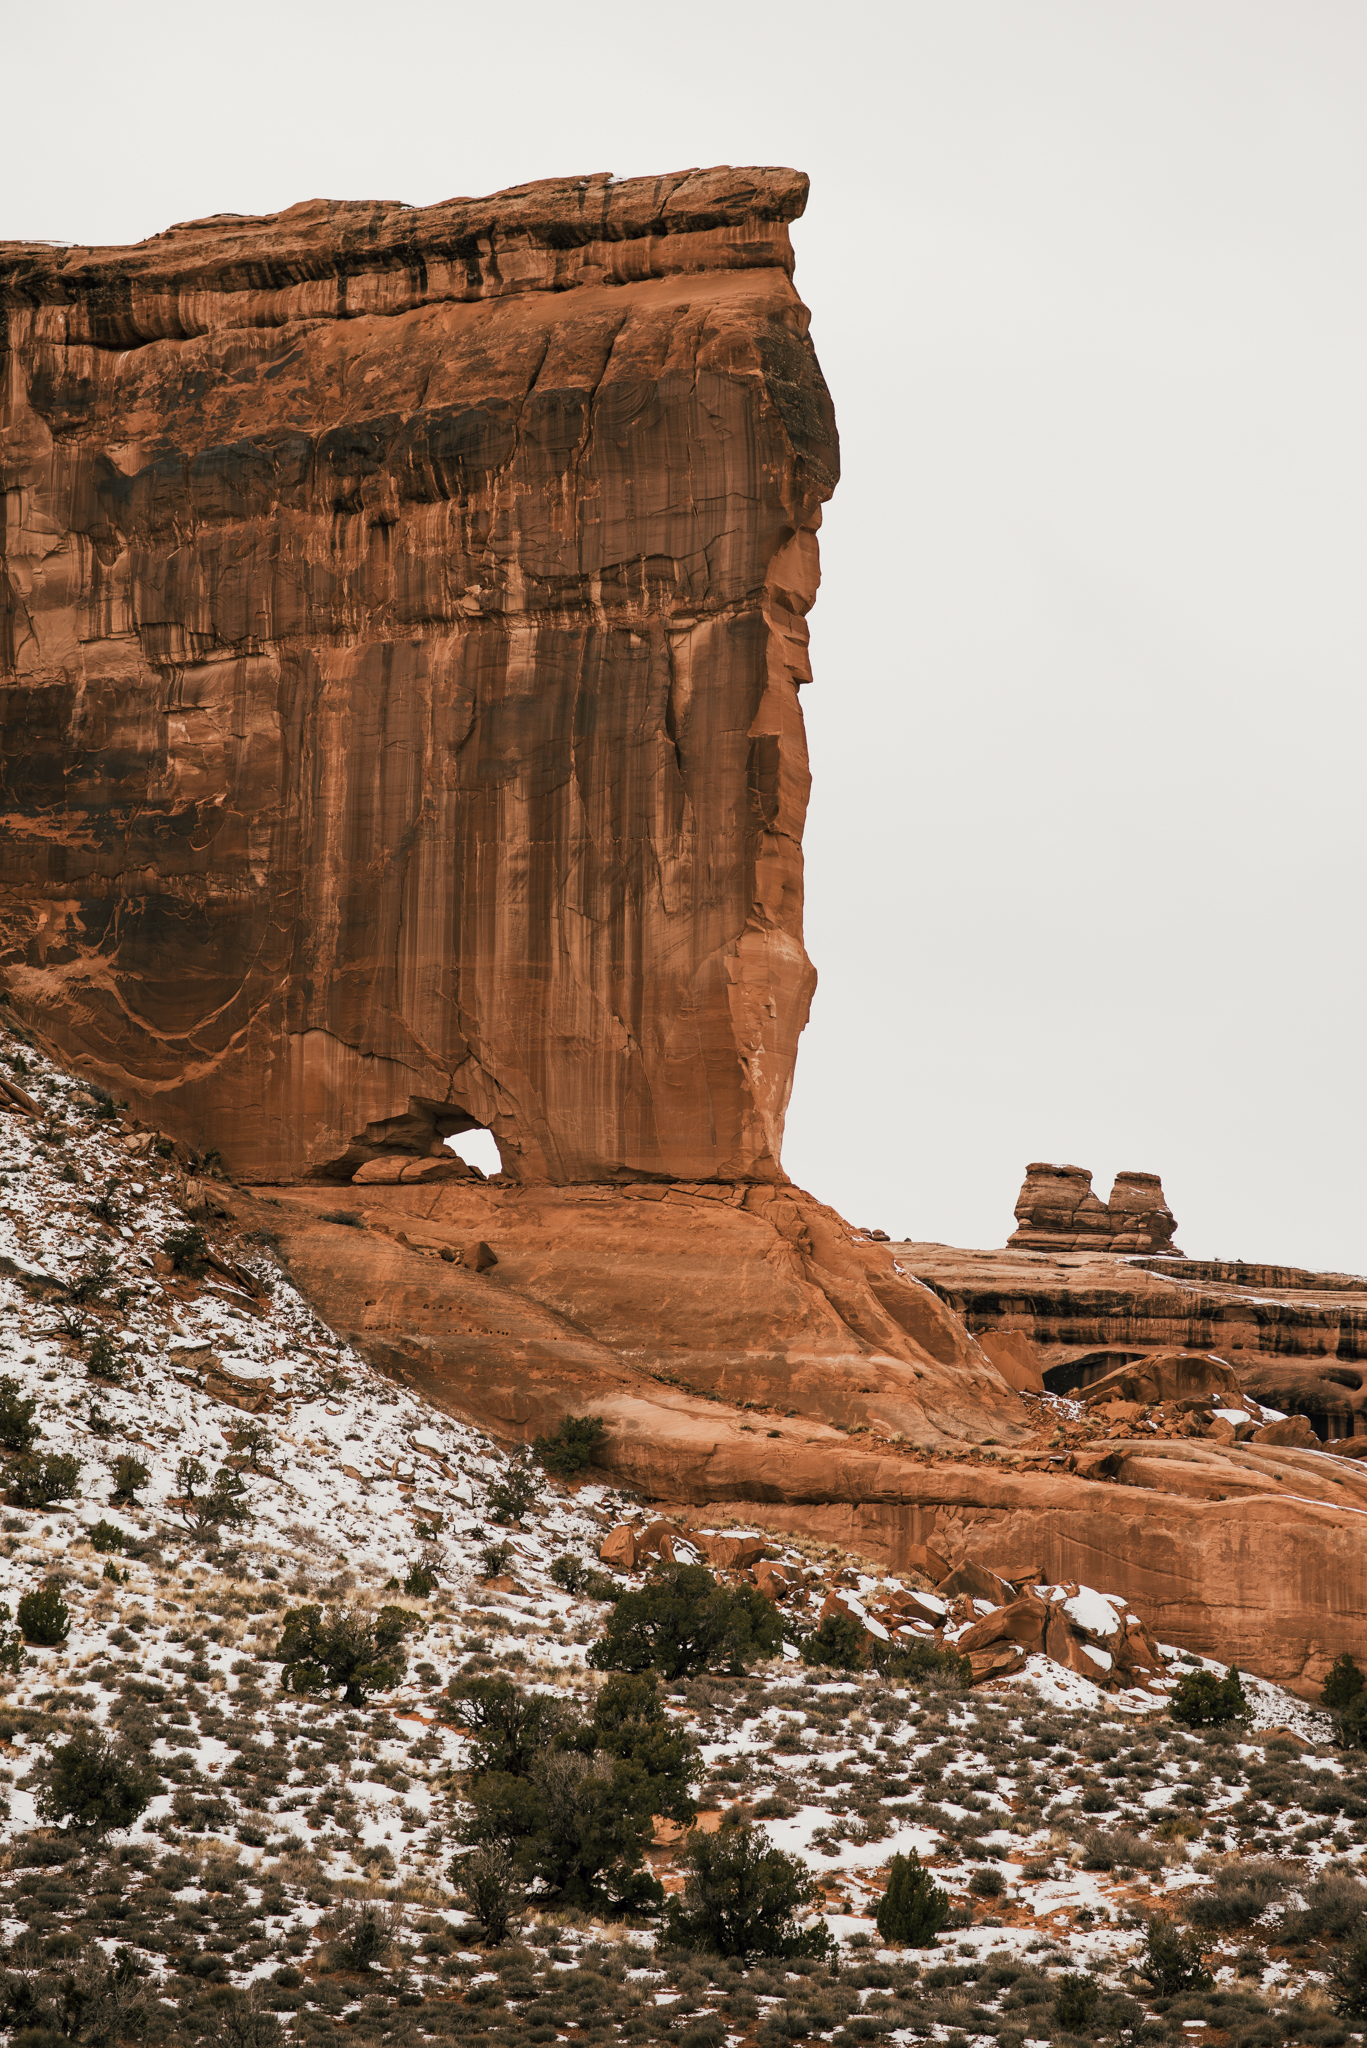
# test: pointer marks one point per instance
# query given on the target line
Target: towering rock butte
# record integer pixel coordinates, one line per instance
(403, 627)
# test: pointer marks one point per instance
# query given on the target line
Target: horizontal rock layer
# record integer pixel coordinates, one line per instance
(403, 617)
(1056, 1210)
(747, 1350)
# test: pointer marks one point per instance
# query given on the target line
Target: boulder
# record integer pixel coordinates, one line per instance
(974, 1582)
(1187, 1376)
(423, 1171)
(1293, 1431)
(385, 1172)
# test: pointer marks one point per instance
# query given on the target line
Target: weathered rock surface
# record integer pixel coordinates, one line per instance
(402, 629)
(1294, 1340)
(748, 1352)
(1056, 1210)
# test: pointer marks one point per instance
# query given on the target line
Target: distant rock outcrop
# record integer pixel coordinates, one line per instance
(1056, 1210)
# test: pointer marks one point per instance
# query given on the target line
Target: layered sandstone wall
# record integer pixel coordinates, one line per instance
(404, 619)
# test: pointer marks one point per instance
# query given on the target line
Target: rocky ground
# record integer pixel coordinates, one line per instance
(1059, 1816)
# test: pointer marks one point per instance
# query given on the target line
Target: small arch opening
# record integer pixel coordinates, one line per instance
(476, 1147)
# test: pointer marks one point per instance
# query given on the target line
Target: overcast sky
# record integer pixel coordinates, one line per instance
(1085, 856)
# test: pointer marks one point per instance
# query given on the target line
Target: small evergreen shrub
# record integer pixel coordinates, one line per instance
(494, 1560)
(360, 1652)
(18, 1430)
(683, 1622)
(1171, 1964)
(420, 1581)
(130, 1476)
(1343, 1685)
(488, 1886)
(35, 1482)
(106, 1537)
(1201, 1700)
(188, 1250)
(91, 1283)
(1348, 1979)
(93, 1785)
(44, 1617)
(914, 1908)
(1075, 2001)
(103, 1359)
(569, 1450)
(743, 1897)
(838, 1643)
(512, 1496)
(987, 1884)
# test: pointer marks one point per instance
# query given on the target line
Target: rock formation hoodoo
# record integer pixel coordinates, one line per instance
(399, 733)
(1056, 1210)
(402, 631)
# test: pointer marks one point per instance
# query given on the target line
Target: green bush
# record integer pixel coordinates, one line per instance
(1075, 2000)
(18, 1430)
(1348, 1979)
(11, 1641)
(104, 1360)
(93, 1785)
(572, 1575)
(569, 1450)
(683, 1622)
(130, 1476)
(421, 1580)
(1201, 1700)
(987, 1884)
(495, 1559)
(489, 1887)
(36, 1482)
(1171, 1964)
(511, 1497)
(44, 1617)
(90, 1284)
(838, 1643)
(188, 1250)
(904, 1663)
(1243, 1891)
(360, 1652)
(742, 1897)
(573, 1799)
(914, 1908)
(1343, 1685)
(106, 1537)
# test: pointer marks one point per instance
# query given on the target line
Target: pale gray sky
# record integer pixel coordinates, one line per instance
(1089, 285)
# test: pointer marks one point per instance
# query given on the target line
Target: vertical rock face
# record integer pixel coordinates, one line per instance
(1056, 1210)
(403, 626)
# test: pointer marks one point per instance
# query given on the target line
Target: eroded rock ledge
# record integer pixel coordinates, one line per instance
(403, 624)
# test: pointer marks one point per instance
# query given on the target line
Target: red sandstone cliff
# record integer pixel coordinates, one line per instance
(398, 672)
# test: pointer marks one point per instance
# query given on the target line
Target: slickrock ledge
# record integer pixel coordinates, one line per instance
(404, 619)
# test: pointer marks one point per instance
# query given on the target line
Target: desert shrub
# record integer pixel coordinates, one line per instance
(682, 1622)
(363, 1935)
(743, 1897)
(1075, 2000)
(130, 1476)
(572, 1575)
(569, 1450)
(1343, 1685)
(223, 1504)
(1335, 1907)
(18, 1430)
(360, 1652)
(918, 1663)
(573, 1799)
(987, 1884)
(95, 1786)
(1201, 1700)
(1170, 1963)
(188, 1250)
(838, 1643)
(103, 1207)
(1242, 1892)
(495, 1559)
(252, 1442)
(1104, 1849)
(106, 1537)
(1348, 1979)
(420, 1580)
(489, 1887)
(914, 1908)
(35, 1482)
(44, 1617)
(91, 1282)
(103, 1358)
(513, 1495)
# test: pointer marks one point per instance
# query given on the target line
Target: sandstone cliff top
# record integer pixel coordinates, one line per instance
(562, 217)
